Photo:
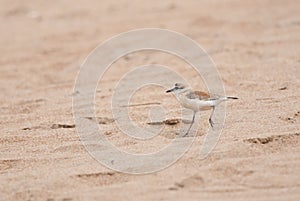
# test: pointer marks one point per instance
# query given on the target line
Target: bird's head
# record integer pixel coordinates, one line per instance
(177, 88)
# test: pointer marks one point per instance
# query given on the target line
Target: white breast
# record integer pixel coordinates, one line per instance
(194, 104)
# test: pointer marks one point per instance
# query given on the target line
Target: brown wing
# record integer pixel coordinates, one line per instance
(198, 95)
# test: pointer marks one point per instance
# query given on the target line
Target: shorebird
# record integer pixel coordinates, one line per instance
(197, 101)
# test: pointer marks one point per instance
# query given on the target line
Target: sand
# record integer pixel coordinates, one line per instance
(255, 45)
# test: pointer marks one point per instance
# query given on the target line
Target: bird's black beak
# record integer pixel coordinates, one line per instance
(170, 90)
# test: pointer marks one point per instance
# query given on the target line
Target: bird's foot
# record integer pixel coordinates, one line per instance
(211, 123)
(186, 134)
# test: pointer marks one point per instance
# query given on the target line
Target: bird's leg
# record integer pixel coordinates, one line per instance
(210, 118)
(190, 125)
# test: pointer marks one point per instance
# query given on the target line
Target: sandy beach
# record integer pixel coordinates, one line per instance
(255, 45)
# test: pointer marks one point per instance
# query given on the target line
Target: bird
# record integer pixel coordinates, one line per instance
(197, 101)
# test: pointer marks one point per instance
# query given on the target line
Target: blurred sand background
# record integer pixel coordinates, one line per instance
(255, 45)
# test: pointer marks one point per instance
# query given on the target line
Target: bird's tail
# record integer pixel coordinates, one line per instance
(230, 97)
